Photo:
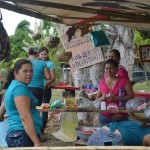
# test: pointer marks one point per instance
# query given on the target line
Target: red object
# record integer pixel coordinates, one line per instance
(142, 94)
(87, 131)
(62, 85)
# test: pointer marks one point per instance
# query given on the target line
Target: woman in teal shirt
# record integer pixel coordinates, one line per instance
(43, 55)
(40, 70)
(24, 120)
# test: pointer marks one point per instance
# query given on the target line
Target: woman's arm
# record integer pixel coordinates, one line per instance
(129, 91)
(47, 74)
(53, 75)
(99, 94)
(23, 106)
(2, 111)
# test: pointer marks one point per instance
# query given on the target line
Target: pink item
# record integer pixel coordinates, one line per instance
(142, 107)
(112, 106)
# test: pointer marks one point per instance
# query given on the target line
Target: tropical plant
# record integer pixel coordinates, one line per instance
(141, 38)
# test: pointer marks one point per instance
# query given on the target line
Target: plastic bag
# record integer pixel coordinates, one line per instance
(134, 103)
(57, 104)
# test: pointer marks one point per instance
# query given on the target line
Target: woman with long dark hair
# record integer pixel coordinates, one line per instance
(24, 120)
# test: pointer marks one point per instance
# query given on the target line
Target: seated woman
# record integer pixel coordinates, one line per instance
(110, 85)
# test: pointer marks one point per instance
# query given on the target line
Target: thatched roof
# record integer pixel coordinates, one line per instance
(131, 13)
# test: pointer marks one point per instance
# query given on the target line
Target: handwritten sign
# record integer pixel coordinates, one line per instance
(84, 53)
(82, 58)
(144, 53)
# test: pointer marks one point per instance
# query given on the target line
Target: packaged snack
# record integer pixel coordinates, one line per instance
(70, 103)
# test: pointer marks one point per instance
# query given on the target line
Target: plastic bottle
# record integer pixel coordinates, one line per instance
(122, 101)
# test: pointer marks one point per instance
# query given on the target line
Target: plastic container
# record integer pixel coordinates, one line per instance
(85, 132)
(112, 106)
(103, 105)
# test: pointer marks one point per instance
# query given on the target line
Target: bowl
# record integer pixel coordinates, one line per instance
(85, 132)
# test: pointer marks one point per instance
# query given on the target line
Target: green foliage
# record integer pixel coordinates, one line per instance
(21, 38)
(139, 40)
(145, 34)
(142, 86)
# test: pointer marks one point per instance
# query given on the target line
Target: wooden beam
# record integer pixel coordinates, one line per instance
(28, 12)
(110, 19)
(85, 148)
(83, 9)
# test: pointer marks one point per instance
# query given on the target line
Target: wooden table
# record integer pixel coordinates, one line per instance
(87, 110)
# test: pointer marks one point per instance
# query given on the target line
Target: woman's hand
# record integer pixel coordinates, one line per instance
(37, 144)
(112, 98)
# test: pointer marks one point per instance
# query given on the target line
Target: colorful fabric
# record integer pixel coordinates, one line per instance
(15, 89)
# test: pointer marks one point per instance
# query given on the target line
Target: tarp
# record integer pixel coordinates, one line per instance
(130, 13)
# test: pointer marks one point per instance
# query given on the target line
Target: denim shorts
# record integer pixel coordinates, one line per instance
(99, 138)
(18, 138)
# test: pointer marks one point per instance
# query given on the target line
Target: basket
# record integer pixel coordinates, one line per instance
(51, 41)
(63, 56)
(36, 36)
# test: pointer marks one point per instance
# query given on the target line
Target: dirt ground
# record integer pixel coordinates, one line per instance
(51, 140)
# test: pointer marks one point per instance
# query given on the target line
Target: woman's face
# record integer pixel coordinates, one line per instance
(112, 55)
(110, 70)
(43, 55)
(25, 74)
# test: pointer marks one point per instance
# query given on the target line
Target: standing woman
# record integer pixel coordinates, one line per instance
(24, 120)
(43, 55)
(40, 70)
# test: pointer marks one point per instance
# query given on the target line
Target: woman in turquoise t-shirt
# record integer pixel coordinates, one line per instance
(39, 70)
(24, 120)
(43, 55)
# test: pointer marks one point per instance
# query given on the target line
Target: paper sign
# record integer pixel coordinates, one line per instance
(84, 53)
(82, 58)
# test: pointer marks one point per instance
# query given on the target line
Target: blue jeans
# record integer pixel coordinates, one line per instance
(18, 138)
